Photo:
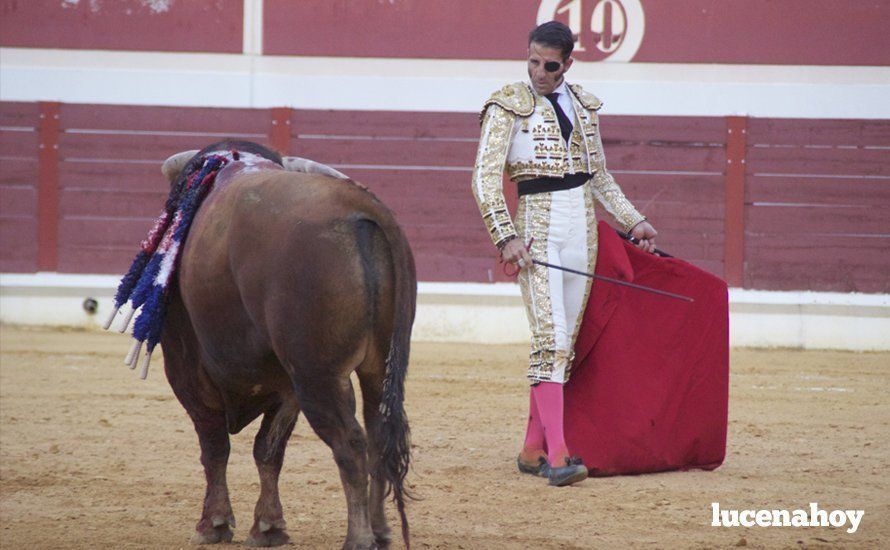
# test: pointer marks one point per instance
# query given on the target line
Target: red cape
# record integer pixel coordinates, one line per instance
(650, 385)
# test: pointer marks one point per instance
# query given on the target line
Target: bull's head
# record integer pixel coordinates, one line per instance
(174, 165)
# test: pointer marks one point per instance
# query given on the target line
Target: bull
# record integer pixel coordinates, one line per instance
(290, 280)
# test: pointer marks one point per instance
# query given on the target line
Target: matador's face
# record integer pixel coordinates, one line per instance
(540, 59)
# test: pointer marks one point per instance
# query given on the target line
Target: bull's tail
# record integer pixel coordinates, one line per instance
(394, 433)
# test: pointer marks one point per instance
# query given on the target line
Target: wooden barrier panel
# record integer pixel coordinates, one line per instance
(825, 32)
(110, 184)
(18, 186)
(816, 205)
(420, 165)
(193, 26)
(813, 205)
(48, 187)
(672, 169)
(734, 206)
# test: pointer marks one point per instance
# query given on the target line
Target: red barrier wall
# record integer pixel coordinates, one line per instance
(812, 202)
(790, 32)
(110, 185)
(817, 197)
(787, 32)
(190, 26)
(19, 142)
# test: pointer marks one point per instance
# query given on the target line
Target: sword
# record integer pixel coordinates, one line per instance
(617, 281)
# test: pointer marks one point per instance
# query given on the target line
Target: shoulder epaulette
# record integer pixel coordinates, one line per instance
(516, 98)
(587, 99)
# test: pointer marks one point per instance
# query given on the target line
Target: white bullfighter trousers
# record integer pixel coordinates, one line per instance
(554, 299)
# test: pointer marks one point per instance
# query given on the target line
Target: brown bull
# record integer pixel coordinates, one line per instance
(288, 283)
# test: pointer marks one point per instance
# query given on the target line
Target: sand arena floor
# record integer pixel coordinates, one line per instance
(92, 457)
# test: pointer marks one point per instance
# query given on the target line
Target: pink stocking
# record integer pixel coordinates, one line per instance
(549, 399)
(534, 432)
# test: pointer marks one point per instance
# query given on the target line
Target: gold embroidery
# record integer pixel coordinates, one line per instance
(579, 157)
(520, 171)
(516, 98)
(552, 150)
(544, 152)
(533, 222)
(497, 128)
(587, 99)
(549, 131)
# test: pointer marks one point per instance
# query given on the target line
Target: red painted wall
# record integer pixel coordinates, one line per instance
(18, 186)
(787, 32)
(815, 201)
(186, 26)
(111, 188)
(817, 197)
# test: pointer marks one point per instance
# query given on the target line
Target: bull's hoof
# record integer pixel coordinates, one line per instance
(362, 545)
(214, 531)
(265, 534)
(272, 537)
(214, 535)
(383, 538)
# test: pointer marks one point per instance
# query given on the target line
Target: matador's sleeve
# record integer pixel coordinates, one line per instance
(609, 194)
(497, 128)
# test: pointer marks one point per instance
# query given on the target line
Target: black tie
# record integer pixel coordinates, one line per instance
(565, 125)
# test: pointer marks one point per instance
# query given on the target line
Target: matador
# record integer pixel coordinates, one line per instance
(545, 134)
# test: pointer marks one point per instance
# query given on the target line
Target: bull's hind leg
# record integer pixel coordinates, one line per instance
(204, 406)
(370, 375)
(329, 406)
(217, 517)
(269, 527)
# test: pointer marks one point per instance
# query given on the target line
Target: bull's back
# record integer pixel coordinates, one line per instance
(285, 264)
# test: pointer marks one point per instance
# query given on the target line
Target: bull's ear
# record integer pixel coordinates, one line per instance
(298, 164)
(174, 165)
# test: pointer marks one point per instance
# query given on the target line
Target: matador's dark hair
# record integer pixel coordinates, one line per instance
(553, 34)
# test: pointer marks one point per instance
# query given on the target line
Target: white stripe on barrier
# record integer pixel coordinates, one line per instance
(249, 80)
(493, 313)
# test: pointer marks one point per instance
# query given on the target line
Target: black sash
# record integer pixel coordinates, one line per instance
(550, 184)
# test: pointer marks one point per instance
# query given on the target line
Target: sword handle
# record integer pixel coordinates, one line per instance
(634, 240)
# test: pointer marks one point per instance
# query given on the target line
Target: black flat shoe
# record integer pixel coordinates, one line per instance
(541, 470)
(573, 472)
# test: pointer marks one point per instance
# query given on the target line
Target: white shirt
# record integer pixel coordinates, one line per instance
(565, 101)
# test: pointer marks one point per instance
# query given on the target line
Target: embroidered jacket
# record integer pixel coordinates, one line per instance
(521, 135)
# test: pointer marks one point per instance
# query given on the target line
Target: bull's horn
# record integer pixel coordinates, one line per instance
(174, 165)
(297, 164)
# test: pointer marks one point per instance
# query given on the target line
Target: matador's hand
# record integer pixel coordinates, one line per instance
(516, 253)
(646, 234)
